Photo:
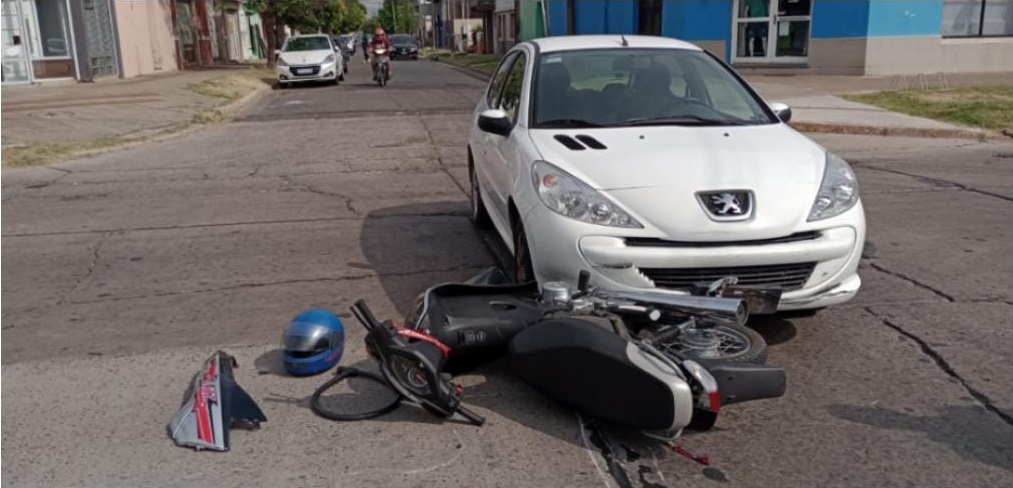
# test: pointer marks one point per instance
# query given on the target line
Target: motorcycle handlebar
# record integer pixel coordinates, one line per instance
(472, 417)
(364, 315)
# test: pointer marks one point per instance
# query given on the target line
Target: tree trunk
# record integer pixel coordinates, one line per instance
(271, 32)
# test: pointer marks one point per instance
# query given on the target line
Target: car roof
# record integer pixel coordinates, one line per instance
(570, 43)
(308, 35)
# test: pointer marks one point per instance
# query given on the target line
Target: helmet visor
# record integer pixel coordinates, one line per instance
(306, 344)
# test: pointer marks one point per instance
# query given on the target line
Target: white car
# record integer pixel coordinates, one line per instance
(653, 165)
(309, 58)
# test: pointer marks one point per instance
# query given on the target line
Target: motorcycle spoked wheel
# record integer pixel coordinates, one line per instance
(731, 343)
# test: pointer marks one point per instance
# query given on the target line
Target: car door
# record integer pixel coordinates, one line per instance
(500, 151)
(481, 142)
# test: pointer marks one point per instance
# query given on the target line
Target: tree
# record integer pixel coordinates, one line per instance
(327, 16)
(399, 16)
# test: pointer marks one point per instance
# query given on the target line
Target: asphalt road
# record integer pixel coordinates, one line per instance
(123, 271)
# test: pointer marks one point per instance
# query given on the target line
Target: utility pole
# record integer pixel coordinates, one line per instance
(393, 9)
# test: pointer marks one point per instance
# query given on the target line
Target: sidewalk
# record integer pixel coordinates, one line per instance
(816, 108)
(84, 112)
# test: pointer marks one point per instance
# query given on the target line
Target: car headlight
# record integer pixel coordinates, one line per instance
(838, 192)
(328, 59)
(572, 198)
(281, 62)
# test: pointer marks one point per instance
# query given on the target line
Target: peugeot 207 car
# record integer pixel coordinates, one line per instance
(653, 165)
(309, 58)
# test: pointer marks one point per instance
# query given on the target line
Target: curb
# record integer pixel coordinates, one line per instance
(831, 128)
(467, 71)
(872, 130)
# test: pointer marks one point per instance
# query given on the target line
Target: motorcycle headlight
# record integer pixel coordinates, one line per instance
(328, 59)
(572, 198)
(281, 62)
(838, 192)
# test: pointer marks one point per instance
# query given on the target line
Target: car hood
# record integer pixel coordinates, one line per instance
(305, 57)
(656, 173)
(406, 45)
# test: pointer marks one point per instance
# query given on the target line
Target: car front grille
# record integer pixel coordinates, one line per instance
(299, 70)
(784, 276)
(652, 242)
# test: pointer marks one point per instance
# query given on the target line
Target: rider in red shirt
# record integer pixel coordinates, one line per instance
(380, 41)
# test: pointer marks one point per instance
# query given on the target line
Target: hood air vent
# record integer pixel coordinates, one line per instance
(569, 142)
(573, 145)
(591, 142)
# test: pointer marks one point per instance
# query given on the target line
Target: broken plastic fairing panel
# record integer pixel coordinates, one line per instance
(212, 405)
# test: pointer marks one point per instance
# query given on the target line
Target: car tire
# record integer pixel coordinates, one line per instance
(479, 214)
(524, 268)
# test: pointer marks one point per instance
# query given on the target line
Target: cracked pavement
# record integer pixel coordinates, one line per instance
(123, 271)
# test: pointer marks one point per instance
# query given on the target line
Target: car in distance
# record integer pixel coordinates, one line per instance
(653, 165)
(307, 58)
(404, 46)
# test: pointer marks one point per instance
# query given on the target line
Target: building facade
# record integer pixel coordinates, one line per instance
(85, 39)
(871, 37)
(504, 27)
(41, 40)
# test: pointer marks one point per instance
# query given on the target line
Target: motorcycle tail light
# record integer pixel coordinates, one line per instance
(706, 381)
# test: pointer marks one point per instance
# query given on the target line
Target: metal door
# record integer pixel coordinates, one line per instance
(98, 21)
(15, 54)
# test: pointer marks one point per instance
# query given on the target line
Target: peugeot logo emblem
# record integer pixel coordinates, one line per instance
(727, 205)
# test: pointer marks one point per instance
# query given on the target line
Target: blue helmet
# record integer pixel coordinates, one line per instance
(313, 342)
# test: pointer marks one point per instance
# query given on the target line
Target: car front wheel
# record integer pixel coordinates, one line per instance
(479, 214)
(524, 269)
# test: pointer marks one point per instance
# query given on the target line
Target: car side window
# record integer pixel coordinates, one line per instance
(492, 96)
(511, 99)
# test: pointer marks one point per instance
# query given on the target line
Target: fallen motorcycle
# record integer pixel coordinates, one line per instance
(614, 375)
(477, 318)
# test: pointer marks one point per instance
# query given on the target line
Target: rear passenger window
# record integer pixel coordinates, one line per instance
(511, 99)
(492, 96)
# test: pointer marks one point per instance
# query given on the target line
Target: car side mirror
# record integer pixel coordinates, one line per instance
(495, 122)
(782, 110)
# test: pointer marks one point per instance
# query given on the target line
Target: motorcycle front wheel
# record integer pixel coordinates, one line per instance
(731, 343)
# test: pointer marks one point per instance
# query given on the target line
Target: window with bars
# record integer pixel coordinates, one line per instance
(977, 18)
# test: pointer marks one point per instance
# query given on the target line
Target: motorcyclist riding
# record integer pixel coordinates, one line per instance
(380, 41)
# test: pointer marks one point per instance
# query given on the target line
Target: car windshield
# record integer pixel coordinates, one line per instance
(401, 39)
(306, 44)
(627, 87)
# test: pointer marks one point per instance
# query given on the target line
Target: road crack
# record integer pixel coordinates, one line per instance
(945, 366)
(919, 284)
(91, 269)
(940, 181)
(292, 185)
(439, 159)
(241, 286)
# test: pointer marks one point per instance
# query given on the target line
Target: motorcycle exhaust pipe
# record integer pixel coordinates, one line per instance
(720, 309)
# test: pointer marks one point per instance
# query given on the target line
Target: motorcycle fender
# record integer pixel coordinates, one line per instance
(739, 383)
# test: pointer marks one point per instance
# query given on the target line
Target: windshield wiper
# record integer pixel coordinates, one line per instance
(568, 123)
(682, 120)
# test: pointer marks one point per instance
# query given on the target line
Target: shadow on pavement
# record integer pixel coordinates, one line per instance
(270, 363)
(968, 431)
(413, 247)
(775, 329)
